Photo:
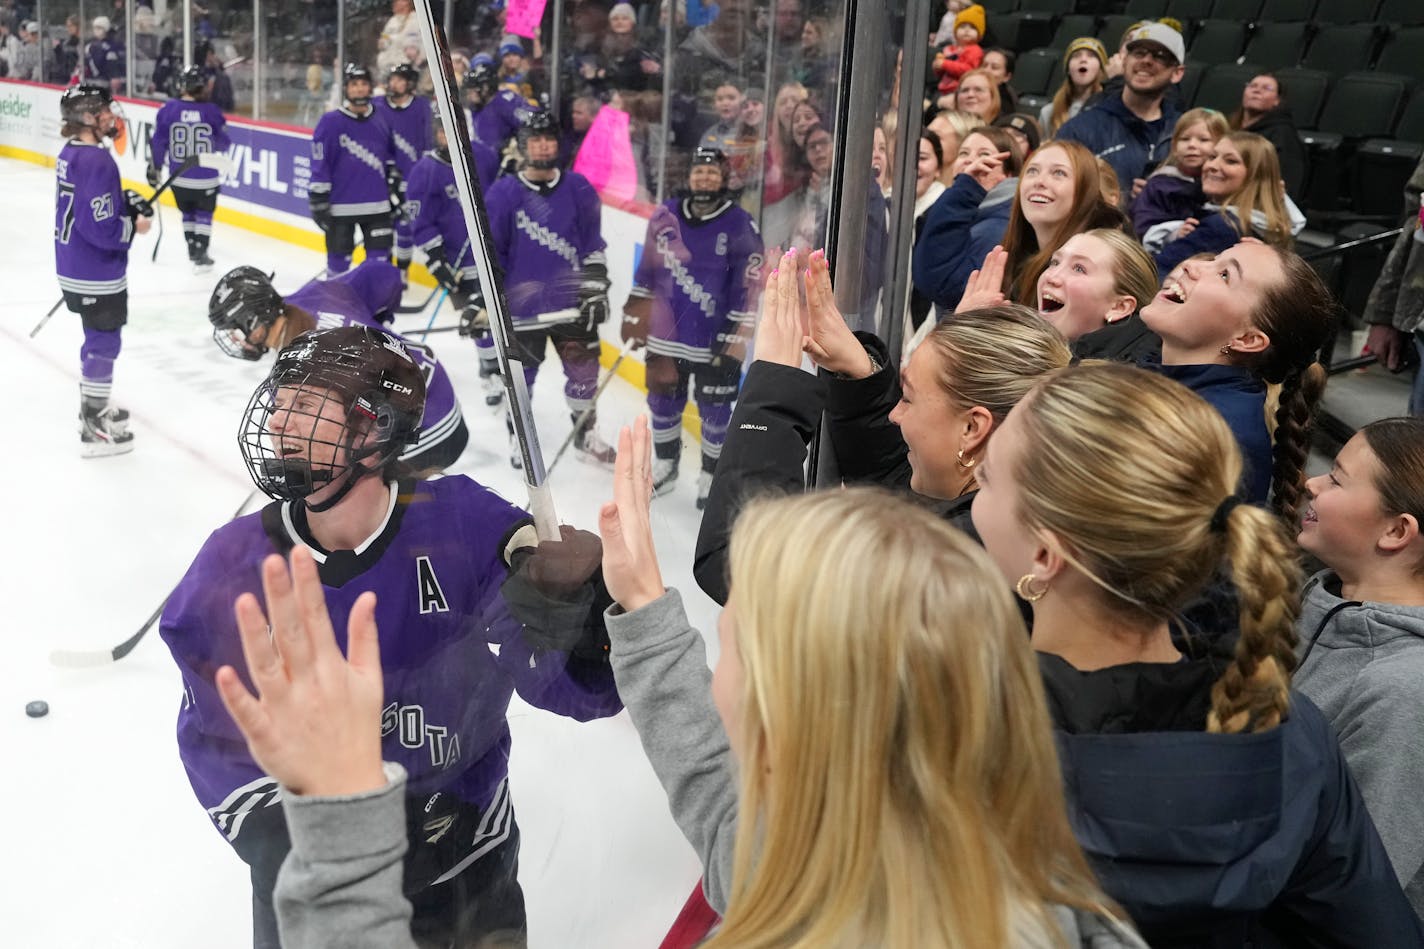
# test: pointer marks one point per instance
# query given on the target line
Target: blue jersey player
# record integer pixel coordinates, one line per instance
(691, 305)
(95, 221)
(353, 174)
(409, 118)
(545, 224)
(188, 126)
(438, 227)
(249, 316)
(470, 612)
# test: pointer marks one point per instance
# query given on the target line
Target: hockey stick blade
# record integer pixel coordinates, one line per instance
(418, 307)
(40, 325)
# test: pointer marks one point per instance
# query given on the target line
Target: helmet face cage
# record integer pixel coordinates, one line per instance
(78, 103)
(352, 73)
(337, 402)
(481, 79)
(713, 157)
(407, 72)
(242, 301)
(539, 124)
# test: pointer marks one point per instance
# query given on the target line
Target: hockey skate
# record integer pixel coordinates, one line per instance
(202, 263)
(516, 457)
(103, 432)
(494, 389)
(593, 449)
(664, 476)
(704, 488)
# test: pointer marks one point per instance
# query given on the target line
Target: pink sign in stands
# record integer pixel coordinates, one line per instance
(522, 17)
(606, 156)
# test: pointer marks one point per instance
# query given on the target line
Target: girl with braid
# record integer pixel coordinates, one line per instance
(1362, 627)
(1252, 316)
(1213, 802)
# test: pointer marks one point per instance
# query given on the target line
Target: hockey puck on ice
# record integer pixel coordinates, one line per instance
(37, 709)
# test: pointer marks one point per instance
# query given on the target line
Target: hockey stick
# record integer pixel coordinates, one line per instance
(88, 658)
(157, 241)
(40, 325)
(587, 413)
(477, 226)
(217, 161)
(438, 288)
(418, 307)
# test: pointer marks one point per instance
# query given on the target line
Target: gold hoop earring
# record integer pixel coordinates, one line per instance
(1024, 588)
(966, 465)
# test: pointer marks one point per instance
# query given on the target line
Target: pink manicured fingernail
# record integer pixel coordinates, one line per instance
(776, 272)
(791, 252)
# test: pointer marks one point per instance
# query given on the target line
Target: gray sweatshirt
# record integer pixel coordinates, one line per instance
(340, 886)
(660, 665)
(1364, 668)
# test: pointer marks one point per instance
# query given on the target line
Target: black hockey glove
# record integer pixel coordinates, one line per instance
(593, 295)
(556, 591)
(395, 184)
(152, 175)
(136, 204)
(320, 209)
(441, 270)
(474, 318)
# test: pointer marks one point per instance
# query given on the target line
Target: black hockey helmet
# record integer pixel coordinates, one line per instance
(193, 81)
(407, 72)
(352, 72)
(78, 103)
(482, 78)
(538, 123)
(338, 405)
(243, 300)
(704, 200)
(707, 155)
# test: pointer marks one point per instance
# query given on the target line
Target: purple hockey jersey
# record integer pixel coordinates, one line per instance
(701, 274)
(353, 299)
(544, 233)
(92, 228)
(349, 156)
(433, 202)
(411, 129)
(500, 119)
(451, 654)
(104, 59)
(185, 128)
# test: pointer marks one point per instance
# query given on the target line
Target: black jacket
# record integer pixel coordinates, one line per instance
(1127, 341)
(1219, 840)
(1278, 127)
(777, 413)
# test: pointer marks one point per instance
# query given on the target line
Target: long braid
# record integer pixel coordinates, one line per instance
(1253, 694)
(1300, 393)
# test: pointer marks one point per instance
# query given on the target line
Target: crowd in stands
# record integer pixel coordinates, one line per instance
(1093, 700)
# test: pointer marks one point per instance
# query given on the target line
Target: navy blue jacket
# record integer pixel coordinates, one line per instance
(1213, 234)
(958, 233)
(1240, 396)
(1132, 146)
(1211, 840)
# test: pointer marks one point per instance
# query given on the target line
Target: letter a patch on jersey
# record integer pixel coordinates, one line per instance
(432, 598)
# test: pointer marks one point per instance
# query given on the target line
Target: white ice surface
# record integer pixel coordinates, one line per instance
(104, 844)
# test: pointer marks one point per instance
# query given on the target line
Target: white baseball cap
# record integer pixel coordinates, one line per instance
(101, 23)
(1161, 34)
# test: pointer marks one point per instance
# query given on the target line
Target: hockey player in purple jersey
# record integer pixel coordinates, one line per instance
(497, 114)
(409, 118)
(692, 305)
(470, 611)
(95, 221)
(545, 224)
(433, 202)
(249, 317)
(353, 174)
(187, 126)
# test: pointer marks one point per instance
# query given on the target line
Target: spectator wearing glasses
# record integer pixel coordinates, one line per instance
(1133, 131)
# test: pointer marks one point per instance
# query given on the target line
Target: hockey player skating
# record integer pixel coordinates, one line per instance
(438, 223)
(409, 118)
(691, 305)
(250, 317)
(187, 126)
(496, 114)
(545, 224)
(95, 221)
(469, 612)
(352, 175)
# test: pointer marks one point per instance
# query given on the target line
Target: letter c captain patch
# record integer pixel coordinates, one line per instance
(432, 598)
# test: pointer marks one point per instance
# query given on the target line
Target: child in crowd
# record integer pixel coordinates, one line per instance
(1087, 62)
(1173, 192)
(965, 53)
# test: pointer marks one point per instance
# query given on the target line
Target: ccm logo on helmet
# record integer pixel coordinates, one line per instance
(396, 387)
